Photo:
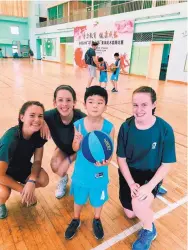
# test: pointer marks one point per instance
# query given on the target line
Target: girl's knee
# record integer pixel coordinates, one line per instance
(139, 204)
(4, 192)
(43, 179)
(130, 214)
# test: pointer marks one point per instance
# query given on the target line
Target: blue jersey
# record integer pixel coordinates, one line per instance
(115, 74)
(85, 173)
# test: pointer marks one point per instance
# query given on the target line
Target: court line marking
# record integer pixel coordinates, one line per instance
(121, 236)
(161, 198)
(158, 196)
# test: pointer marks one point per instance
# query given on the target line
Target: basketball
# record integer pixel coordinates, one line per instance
(113, 67)
(97, 146)
(101, 68)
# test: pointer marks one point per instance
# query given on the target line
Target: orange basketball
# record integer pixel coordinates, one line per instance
(113, 67)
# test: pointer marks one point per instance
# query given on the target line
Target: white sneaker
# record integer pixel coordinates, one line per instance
(61, 187)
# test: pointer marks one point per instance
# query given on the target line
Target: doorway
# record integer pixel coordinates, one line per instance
(158, 61)
(38, 47)
(155, 59)
(62, 53)
(164, 63)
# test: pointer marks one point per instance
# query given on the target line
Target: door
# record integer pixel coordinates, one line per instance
(38, 44)
(155, 59)
(164, 63)
(62, 53)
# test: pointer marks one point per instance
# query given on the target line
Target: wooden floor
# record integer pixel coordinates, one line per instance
(42, 227)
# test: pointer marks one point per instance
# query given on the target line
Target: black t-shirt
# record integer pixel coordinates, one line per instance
(17, 151)
(62, 134)
(92, 53)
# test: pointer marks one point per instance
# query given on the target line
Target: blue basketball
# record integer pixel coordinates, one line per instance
(97, 146)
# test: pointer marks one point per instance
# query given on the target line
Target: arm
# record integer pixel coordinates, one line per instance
(125, 170)
(45, 131)
(95, 60)
(7, 180)
(28, 193)
(77, 139)
(168, 157)
(121, 159)
(159, 175)
(119, 64)
(36, 167)
(134, 187)
(146, 189)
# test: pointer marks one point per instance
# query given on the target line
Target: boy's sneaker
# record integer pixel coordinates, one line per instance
(61, 187)
(98, 229)
(3, 211)
(72, 228)
(113, 89)
(145, 238)
(161, 190)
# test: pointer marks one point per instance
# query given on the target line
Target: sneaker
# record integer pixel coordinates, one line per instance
(3, 211)
(72, 228)
(113, 89)
(98, 229)
(145, 238)
(161, 191)
(61, 188)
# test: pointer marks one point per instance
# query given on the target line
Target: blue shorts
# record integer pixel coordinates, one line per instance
(115, 75)
(103, 76)
(97, 196)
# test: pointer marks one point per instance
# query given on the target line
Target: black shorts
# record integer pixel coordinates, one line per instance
(20, 174)
(140, 177)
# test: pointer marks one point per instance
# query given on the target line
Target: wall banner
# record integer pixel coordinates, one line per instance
(114, 36)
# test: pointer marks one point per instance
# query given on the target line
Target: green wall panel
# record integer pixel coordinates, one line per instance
(69, 39)
(69, 54)
(139, 60)
(49, 46)
(5, 33)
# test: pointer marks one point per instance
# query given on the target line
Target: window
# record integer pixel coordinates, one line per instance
(15, 49)
(55, 12)
(14, 30)
(67, 39)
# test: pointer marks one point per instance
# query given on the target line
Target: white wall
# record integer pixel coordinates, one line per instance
(178, 53)
(148, 20)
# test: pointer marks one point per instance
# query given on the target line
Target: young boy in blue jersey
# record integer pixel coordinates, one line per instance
(103, 72)
(115, 74)
(90, 180)
(145, 151)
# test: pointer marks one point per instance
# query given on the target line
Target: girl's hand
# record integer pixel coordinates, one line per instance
(78, 137)
(144, 191)
(45, 132)
(134, 189)
(103, 163)
(28, 193)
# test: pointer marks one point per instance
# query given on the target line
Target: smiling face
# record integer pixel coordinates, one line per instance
(142, 106)
(64, 102)
(32, 119)
(95, 105)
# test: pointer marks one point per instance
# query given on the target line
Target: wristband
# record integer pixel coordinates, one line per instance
(32, 181)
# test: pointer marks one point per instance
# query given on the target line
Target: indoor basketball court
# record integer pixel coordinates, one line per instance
(156, 56)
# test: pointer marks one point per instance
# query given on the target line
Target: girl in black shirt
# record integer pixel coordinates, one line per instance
(59, 125)
(17, 146)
